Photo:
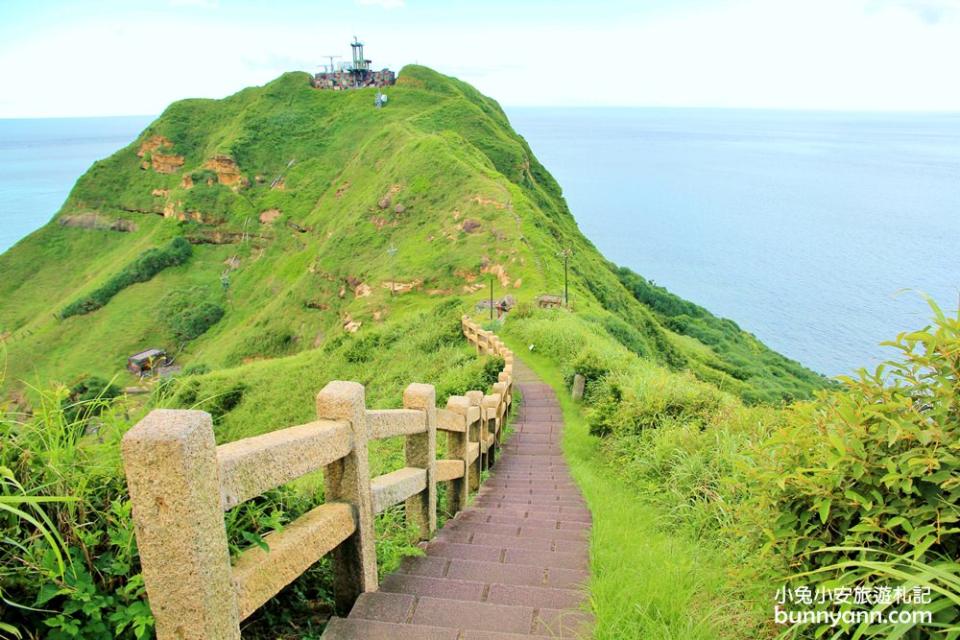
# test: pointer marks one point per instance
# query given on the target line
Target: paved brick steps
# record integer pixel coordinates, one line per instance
(511, 566)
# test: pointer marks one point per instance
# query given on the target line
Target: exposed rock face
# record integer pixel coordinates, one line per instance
(350, 325)
(362, 290)
(387, 199)
(487, 202)
(160, 193)
(163, 163)
(96, 221)
(153, 143)
(269, 216)
(187, 182)
(228, 173)
(223, 237)
(402, 287)
(469, 225)
(381, 222)
(500, 273)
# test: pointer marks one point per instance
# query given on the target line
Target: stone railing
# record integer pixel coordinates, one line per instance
(181, 483)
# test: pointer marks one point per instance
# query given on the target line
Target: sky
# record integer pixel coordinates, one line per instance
(125, 57)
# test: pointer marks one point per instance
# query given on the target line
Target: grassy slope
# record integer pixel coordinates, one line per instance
(447, 155)
(441, 150)
(633, 592)
(662, 485)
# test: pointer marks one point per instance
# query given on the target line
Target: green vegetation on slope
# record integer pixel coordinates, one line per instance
(860, 486)
(68, 449)
(149, 264)
(329, 240)
(310, 212)
(634, 591)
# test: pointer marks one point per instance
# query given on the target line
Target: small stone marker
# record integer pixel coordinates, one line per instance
(579, 382)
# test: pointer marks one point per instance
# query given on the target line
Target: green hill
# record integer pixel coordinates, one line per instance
(317, 222)
(284, 237)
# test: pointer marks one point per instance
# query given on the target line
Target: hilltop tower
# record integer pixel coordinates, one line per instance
(356, 74)
(361, 66)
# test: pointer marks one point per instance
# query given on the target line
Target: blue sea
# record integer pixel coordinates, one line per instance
(41, 159)
(814, 231)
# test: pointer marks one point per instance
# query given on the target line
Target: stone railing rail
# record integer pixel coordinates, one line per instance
(181, 483)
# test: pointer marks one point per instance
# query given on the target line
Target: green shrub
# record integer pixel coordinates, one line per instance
(93, 588)
(626, 335)
(361, 349)
(629, 402)
(89, 397)
(193, 322)
(523, 309)
(149, 264)
(491, 372)
(197, 369)
(875, 468)
(265, 341)
(224, 401)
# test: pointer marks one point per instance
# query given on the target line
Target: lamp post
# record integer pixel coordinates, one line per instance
(491, 298)
(565, 254)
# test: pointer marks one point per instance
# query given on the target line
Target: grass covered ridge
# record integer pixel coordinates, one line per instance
(311, 211)
(326, 239)
(859, 486)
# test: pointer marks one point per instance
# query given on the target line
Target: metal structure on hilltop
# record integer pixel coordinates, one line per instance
(355, 74)
(361, 66)
(332, 67)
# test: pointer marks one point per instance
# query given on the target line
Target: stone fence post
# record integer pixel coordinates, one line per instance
(170, 460)
(348, 480)
(421, 452)
(458, 447)
(475, 434)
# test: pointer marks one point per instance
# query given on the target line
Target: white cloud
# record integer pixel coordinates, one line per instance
(929, 11)
(205, 4)
(384, 4)
(825, 54)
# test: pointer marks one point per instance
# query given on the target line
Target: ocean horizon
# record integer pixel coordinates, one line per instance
(816, 231)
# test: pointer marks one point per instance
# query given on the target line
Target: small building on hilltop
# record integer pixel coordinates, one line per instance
(353, 75)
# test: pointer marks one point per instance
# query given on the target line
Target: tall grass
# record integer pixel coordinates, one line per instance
(860, 486)
(74, 567)
(652, 576)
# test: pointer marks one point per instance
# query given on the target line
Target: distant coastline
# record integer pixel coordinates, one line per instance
(720, 206)
(803, 226)
(41, 158)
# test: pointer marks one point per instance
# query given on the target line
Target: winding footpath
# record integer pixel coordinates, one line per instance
(513, 565)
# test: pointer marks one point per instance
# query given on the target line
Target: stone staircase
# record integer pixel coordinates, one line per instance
(512, 565)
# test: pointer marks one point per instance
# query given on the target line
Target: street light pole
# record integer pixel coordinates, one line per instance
(491, 298)
(565, 254)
